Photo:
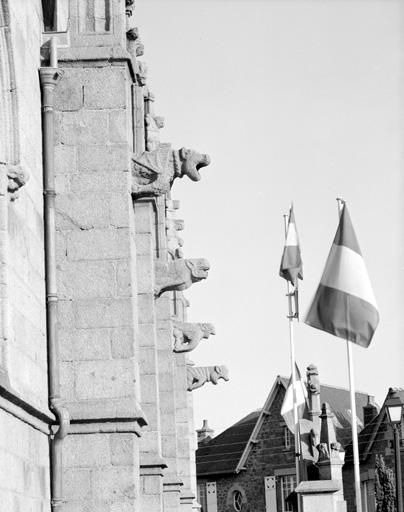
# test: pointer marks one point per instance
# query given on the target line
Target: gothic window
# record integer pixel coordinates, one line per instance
(55, 15)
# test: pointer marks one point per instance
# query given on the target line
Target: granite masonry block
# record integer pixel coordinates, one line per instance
(90, 314)
(151, 502)
(120, 209)
(149, 388)
(105, 88)
(144, 218)
(65, 160)
(103, 158)
(113, 483)
(147, 335)
(67, 376)
(153, 485)
(146, 308)
(82, 210)
(84, 128)
(65, 315)
(122, 449)
(124, 278)
(104, 379)
(84, 344)
(98, 244)
(144, 245)
(145, 275)
(117, 181)
(118, 126)
(148, 361)
(86, 279)
(69, 94)
(122, 342)
(166, 382)
(169, 448)
(61, 247)
(77, 484)
(63, 183)
(165, 362)
(83, 451)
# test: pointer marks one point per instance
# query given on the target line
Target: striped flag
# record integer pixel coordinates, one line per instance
(344, 304)
(291, 263)
(301, 401)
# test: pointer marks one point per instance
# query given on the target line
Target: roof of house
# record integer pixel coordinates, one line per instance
(367, 435)
(227, 452)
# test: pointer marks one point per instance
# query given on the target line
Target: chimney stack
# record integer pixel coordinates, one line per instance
(204, 434)
(370, 410)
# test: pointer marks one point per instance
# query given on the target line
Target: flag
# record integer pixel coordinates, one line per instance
(301, 401)
(291, 263)
(344, 304)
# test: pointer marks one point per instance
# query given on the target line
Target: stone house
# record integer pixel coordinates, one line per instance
(251, 465)
(376, 438)
(94, 338)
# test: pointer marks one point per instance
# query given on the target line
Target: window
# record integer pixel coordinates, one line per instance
(286, 433)
(288, 484)
(368, 496)
(55, 15)
(237, 501)
(201, 495)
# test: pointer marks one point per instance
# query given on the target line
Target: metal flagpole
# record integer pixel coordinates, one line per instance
(358, 496)
(291, 316)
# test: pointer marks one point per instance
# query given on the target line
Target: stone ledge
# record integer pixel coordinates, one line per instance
(318, 487)
(107, 416)
(13, 404)
(151, 465)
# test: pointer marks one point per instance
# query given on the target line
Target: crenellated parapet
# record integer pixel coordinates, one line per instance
(187, 335)
(197, 376)
(179, 274)
(153, 172)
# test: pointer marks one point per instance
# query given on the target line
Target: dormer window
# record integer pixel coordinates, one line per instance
(286, 435)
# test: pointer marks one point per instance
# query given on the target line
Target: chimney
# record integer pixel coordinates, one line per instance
(370, 410)
(204, 434)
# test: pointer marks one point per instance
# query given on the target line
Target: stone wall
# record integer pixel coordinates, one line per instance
(24, 413)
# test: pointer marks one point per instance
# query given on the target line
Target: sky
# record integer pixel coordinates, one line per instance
(294, 100)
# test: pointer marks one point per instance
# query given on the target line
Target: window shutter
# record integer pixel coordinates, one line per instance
(270, 494)
(211, 496)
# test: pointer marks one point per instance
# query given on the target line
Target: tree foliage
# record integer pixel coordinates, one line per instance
(385, 488)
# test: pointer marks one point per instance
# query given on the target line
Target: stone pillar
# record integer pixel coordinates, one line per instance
(151, 462)
(97, 262)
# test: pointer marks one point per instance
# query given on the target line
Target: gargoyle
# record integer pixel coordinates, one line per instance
(17, 178)
(197, 376)
(153, 172)
(187, 336)
(179, 274)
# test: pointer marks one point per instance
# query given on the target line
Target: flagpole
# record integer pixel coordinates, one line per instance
(291, 316)
(358, 496)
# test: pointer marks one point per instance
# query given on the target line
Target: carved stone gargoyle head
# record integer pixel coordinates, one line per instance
(207, 330)
(179, 274)
(188, 162)
(219, 372)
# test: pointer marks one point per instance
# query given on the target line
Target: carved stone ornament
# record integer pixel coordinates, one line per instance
(136, 47)
(187, 336)
(179, 274)
(17, 178)
(197, 376)
(129, 6)
(153, 172)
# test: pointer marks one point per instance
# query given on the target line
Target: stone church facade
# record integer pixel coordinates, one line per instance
(95, 381)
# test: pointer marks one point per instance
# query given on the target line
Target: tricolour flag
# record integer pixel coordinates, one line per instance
(301, 401)
(344, 304)
(291, 263)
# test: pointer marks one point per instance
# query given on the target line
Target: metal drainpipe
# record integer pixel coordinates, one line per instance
(50, 77)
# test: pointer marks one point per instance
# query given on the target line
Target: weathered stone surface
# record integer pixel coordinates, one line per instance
(84, 344)
(90, 314)
(113, 483)
(65, 159)
(77, 483)
(122, 343)
(84, 128)
(100, 181)
(105, 158)
(104, 379)
(82, 210)
(123, 449)
(105, 88)
(80, 451)
(98, 244)
(86, 279)
(118, 129)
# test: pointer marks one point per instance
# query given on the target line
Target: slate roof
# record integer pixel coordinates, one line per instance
(227, 452)
(367, 435)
